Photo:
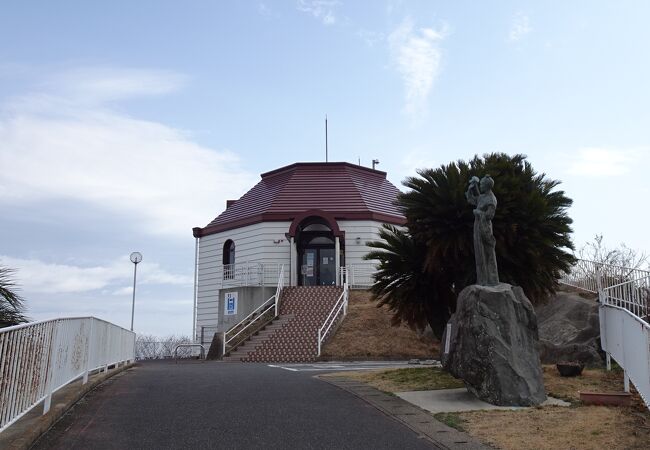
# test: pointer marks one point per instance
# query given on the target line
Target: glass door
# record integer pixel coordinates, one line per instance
(318, 267)
(308, 269)
(326, 267)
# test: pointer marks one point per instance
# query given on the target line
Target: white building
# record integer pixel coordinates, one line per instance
(307, 219)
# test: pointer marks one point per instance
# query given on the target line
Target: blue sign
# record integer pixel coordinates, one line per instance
(231, 303)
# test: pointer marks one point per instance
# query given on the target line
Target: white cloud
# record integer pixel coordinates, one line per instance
(408, 164)
(101, 84)
(371, 38)
(126, 290)
(264, 10)
(418, 159)
(323, 10)
(417, 55)
(58, 144)
(36, 276)
(520, 27)
(599, 162)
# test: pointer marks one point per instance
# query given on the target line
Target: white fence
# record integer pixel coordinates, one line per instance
(250, 274)
(624, 296)
(360, 276)
(37, 359)
(591, 275)
(626, 338)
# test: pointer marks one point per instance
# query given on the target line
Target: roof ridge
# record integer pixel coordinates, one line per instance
(295, 165)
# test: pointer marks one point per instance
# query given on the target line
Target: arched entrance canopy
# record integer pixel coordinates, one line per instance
(315, 213)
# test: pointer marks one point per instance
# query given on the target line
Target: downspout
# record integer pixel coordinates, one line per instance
(196, 274)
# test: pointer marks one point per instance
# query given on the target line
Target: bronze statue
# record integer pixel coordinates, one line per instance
(480, 195)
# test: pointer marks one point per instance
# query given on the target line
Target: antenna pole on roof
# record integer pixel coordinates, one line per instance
(326, 157)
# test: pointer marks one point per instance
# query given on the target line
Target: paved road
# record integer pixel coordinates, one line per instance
(162, 405)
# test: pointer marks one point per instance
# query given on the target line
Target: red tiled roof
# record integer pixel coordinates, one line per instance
(342, 190)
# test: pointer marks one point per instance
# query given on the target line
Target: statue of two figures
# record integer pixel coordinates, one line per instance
(480, 195)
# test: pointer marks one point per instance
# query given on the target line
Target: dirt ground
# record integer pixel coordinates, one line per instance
(366, 333)
(575, 427)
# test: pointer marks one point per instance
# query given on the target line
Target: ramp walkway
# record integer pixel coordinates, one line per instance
(224, 405)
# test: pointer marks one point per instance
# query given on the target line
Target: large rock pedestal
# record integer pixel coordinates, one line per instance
(492, 346)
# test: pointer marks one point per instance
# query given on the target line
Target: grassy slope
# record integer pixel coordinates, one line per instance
(366, 333)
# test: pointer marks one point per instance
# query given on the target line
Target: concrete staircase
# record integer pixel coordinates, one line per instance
(293, 336)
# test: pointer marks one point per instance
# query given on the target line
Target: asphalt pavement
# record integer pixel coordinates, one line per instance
(196, 405)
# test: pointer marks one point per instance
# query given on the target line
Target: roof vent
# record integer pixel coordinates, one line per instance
(229, 203)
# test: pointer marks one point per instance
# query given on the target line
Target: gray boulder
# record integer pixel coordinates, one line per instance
(569, 330)
(492, 346)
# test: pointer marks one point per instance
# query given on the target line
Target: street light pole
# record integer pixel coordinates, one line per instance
(136, 257)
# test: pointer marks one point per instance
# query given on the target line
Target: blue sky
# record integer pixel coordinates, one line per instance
(124, 125)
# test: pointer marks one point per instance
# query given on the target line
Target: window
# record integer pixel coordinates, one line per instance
(228, 260)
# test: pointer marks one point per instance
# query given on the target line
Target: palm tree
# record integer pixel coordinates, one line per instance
(11, 304)
(531, 227)
(415, 296)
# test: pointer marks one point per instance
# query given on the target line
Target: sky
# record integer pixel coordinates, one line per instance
(125, 124)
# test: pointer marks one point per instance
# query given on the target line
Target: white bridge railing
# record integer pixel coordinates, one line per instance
(38, 358)
(624, 296)
(235, 334)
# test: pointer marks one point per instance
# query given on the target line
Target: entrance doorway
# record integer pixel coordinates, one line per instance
(318, 267)
(316, 253)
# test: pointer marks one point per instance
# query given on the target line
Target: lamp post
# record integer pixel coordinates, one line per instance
(136, 257)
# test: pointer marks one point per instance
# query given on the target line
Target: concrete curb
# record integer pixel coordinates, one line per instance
(25, 432)
(418, 420)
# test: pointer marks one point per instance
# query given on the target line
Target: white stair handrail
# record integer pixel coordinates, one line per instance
(278, 290)
(340, 305)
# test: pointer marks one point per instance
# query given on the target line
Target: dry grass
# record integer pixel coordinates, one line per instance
(366, 333)
(577, 427)
(568, 388)
(554, 427)
(399, 380)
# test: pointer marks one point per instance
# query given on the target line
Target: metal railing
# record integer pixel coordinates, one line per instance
(625, 331)
(633, 296)
(229, 338)
(249, 274)
(39, 358)
(360, 276)
(591, 275)
(339, 311)
(161, 349)
(624, 297)
(189, 347)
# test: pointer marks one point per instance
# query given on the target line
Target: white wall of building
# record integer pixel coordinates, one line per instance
(365, 231)
(261, 242)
